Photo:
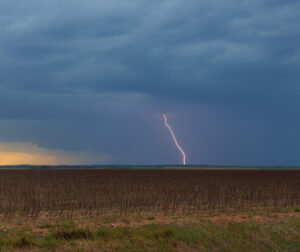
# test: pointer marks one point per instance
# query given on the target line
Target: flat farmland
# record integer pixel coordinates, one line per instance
(123, 192)
(149, 210)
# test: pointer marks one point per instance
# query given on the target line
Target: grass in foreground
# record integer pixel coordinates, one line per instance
(204, 235)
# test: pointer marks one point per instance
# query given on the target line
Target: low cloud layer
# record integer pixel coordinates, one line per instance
(95, 76)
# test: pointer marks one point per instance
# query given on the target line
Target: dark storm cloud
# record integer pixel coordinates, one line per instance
(90, 66)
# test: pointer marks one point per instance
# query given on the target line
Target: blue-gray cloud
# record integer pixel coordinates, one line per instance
(95, 75)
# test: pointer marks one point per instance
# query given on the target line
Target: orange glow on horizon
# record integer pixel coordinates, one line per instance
(17, 158)
(20, 153)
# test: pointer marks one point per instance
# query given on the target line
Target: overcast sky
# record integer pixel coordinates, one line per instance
(87, 81)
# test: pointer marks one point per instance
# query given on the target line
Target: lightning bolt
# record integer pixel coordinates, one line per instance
(174, 138)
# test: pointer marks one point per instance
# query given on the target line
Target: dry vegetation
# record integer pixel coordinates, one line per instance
(116, 192)
(144, 210)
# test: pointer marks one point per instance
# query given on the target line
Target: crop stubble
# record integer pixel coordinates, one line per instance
(122, 192)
